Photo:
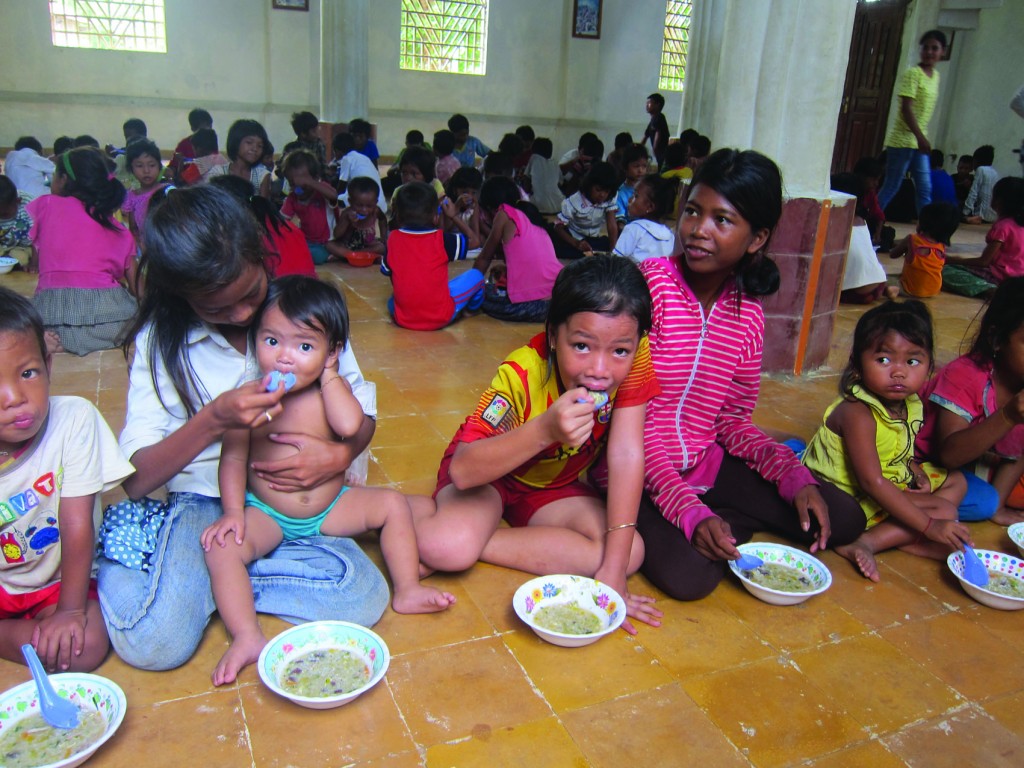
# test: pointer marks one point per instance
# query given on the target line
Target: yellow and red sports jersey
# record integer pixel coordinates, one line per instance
(525, 386)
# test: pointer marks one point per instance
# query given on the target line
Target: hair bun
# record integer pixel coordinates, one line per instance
(760, 277)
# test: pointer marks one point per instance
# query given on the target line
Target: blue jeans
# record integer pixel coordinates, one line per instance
(156, 618)
(897, 161)
(467, 291)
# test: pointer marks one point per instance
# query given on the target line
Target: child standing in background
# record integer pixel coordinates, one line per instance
(144, 161)
(584, 214)
(657, 129)
(311, 203)
(85, 259)
(447, 164)
(541, 177)
(645, 237)
(865, 445)
(635, 159)
(1003, 256)
(924, 253)
(467, 148)
(61, 447)
(978, 205)
(417, 262)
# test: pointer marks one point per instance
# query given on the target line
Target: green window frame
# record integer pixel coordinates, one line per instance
(126, 25)
(447, 36)
(675, 45)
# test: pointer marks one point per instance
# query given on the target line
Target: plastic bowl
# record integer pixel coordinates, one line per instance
(90, 692)
(780, 554)
(362, 258)
(7, 263)
(993, 561)
(600, 599)
(1016, 533)
(319, 635)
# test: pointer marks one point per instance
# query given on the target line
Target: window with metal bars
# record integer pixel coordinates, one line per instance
(675, 45)
(128, 25)
(444, 36)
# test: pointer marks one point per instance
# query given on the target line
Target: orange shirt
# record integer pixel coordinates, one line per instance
(922, 271)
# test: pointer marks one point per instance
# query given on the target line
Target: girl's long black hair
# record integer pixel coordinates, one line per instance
(1003, 315)
(89, 177)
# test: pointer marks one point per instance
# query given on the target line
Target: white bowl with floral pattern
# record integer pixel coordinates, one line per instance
(322, 635)
(592, 596)
(1016, 534)
(89, 692)
(809, 569)
(1012, 568)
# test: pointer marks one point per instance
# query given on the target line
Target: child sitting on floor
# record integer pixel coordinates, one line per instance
(540, 179)
(144, 161)
(299, 331)
(636, 160)
(645, 237)
(417, 262)
(351, 165)
(463, 189)
(307, 136)
(978, 205)
(924, 253)
(15, 223)
(361, 131)
(467, 148)
(311, 204)
(583, 214)
(362, 226)
(57, 455)
(197, 171)
(446, 163)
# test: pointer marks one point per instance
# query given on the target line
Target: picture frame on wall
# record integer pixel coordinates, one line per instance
(586, 19)
(291, 5)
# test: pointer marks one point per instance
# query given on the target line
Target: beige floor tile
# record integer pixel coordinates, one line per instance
(446, 693)
(892, 690)
(893, 600)
(967, 737)
(1009, 711)
(491, 588)
(773, 712)
(868, 754)
(405, 463)
(651, 728)
(464, 620)
(570, 678)
(539, 744)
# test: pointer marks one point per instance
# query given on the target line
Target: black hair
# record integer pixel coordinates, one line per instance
(1009, 193)
(525, 132)
(413, 138)
(700, 146)
(752, 184)
(415, 204)
(267, 215)
(499, 190)
(910, 319)
(306, 301)
(936, 158)
(464, 178)
(458, 123)
(422, 159)
(603, 284)
(444, 142)
(658, 99)
(304, 121)
(301, 158)
(199, 118)
(29, 142)
(85, 140)
(363, 185)
(8, 192)
(90, 178)
(542, 146)
(511, 145)
(498, 164)
(851, 184)
(343, 143)
(688, 134)
(966, 159)
(1003, 315)
(984, 155)
(134, 125)
(205, 139)
(63, 144)
(934, 34)
(939, 221)
(241, 129)
(623, 140)
(591, 146)
(199, 241)
(869, 168)
(601, 174)
(359, 126)
(268, 148)
(663, 194)
(19, 315)
(137, 149)
(634, 152)
(675, 155)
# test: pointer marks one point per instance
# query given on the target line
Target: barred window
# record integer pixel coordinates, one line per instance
(675, 45)
(127, 25)
(444, 36)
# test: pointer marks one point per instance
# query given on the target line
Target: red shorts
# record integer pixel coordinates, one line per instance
(28, 604)
(519, 502)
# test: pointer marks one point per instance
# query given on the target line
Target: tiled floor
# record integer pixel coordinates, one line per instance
(909, 671)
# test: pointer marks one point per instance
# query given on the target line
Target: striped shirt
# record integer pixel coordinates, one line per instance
(709, 369)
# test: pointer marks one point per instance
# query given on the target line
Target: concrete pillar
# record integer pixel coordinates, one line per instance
(769, 75)
(345, 69)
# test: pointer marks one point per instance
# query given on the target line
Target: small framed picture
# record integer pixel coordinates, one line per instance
(586, 19)
(291, 5)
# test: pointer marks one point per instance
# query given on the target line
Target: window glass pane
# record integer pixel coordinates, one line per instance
(127, 25)
(444, 36)
(675, 45)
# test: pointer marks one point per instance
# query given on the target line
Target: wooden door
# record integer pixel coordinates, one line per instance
(870, 76)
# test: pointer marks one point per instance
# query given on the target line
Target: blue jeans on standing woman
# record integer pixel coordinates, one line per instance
(897, 161)
(156, 618)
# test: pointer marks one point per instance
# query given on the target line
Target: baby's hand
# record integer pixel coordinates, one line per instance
(571, 418)
(230, 521)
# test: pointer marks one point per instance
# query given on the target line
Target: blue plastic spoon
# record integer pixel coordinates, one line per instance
(58, 712)
(748, 562)
(974, 570)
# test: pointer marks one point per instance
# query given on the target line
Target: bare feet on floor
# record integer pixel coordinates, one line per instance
(244, 650)
(860, 554)
(421, 599)
(1008, 516)
(53, 345)
(892, 292)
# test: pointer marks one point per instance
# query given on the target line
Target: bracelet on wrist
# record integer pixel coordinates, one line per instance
(617, 527)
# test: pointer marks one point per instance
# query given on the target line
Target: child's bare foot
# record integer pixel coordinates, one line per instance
(1008, 516)
(244, 650)
(421, 599)
(860, 554)
(892, 292)
(53, 345)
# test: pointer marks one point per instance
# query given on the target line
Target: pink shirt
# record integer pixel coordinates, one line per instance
(74, 250)
(1009, 262)
(136, 204)
(709, 369)
(530, 256)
